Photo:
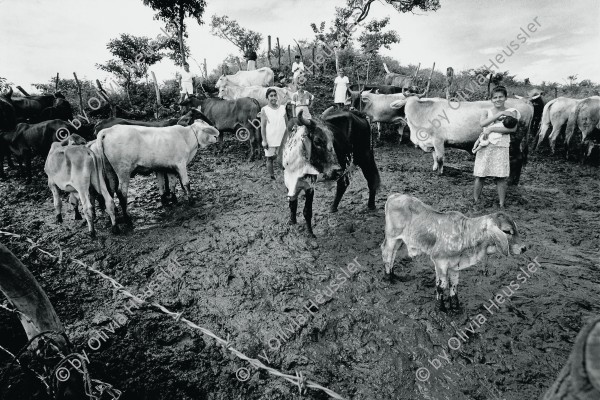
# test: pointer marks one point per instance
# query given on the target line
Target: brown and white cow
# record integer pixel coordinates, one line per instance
(258, 77)
(131, 150)
(73, 167)
(451, 240)
(435, 123)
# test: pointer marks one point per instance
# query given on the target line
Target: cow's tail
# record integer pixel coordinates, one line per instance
(545, 125)
(572, 124)
(104, 165)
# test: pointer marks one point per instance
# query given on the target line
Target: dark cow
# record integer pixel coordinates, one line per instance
(534, 96)
(239, 116)
(39, 108)
(328, 146)
(8, 119)
(28, 140)
(8, 122)
(112, 121)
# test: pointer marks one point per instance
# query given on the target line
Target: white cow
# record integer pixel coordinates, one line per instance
(435, 123)
(234, 92)
(259, 77)
(129, 150)
(556, 113)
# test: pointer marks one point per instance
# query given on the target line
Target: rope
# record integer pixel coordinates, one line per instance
(297, 380)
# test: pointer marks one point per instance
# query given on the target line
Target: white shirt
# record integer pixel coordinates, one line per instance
(297, 67)
(186, 77)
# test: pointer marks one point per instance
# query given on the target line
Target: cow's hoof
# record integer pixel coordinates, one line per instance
(78, 216)
(115, 230)
(59, 219)
(453, 303)
(371, 207)
(292, 221)
(333, 209)
(439, 303)
(191, 201)
(311, 234)
(93, 234)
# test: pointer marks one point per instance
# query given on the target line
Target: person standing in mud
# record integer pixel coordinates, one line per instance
(340, 87)
(493, 160)
(273, 121)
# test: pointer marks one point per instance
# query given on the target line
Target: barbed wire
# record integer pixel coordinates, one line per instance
(299, 379)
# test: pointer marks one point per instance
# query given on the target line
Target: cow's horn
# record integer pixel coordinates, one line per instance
(420, 95)
(9, 94)
(301, 119)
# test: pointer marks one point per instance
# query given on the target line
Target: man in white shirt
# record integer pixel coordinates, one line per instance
(186, 82)
(297, 69)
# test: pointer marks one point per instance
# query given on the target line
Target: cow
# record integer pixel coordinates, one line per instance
(74, 168)
(394, 79)
(42, 108)
(232, 92)
(378, 108)
(259, 77)
(436, 122)
(8, 119)
(586, 117)
(534, 96)
(306, 151)
(8, 122)
(350, 134)
(112, 121)
(128, 150)
(237, 116)
(556, 113)
(352, 145)
(356, 89)
(28, 140)
(451, 240)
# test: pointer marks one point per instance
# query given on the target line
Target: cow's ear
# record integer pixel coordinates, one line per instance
(499, 238)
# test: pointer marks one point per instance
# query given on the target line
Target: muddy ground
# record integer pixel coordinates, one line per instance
(245, 272)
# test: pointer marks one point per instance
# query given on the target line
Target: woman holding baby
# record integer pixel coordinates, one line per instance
(492, 147)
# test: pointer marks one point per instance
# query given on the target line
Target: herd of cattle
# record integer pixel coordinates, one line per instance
(117, 149)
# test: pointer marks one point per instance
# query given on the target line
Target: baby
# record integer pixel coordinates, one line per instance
(493, 137)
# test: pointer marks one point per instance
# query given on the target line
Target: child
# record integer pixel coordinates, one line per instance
(273, 125)
(301, 100)
(297, 69)
(340, 87)
(493, 159)
(494, 137)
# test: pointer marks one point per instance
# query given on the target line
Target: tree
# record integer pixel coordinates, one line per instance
(349, 17)
(572, 79)
(373, 37)
(173, 12)
(228, 29)
(134, 54)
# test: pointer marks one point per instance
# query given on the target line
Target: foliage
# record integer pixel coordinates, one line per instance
(4, 84)
(373, 37)
(244, 39)
(134, 54)
(174, 12)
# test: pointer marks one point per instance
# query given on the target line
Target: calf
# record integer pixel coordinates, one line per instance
(74, 168)
(131, 150)
(452, 240)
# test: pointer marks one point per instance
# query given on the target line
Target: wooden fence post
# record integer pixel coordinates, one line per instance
(158, 102)
(79, 94)
(56, 85)
(269, 51)
(278, 55)
(313, 65)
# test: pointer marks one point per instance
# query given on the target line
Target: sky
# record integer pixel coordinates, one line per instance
(42, 37)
